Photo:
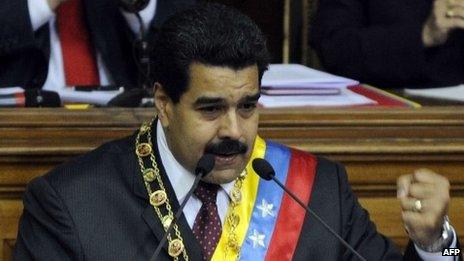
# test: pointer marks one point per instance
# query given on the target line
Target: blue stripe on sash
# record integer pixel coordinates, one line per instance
(267, 205)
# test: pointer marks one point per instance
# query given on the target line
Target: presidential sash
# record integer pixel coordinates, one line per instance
(270, 221)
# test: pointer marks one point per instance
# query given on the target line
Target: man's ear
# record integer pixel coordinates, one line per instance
(162, 104)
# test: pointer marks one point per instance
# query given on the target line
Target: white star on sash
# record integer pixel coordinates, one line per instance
(257, 238)
(266, 209)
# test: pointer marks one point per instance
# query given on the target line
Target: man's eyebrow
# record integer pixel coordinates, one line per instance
(203, 100)
(251, 98)
(208, 100)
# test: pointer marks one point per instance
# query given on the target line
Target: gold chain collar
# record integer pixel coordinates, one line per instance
(232, 218)
(161, 203)
(158, 198)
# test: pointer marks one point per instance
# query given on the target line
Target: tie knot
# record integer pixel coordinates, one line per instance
(206, 192)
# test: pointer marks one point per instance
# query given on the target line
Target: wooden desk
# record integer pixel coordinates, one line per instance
(376, 146)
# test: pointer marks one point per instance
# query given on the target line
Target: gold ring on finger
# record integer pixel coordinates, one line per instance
(450, 13)
(417, 205)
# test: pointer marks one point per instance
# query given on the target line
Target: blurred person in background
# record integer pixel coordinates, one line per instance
(392, 44)
(54, 44)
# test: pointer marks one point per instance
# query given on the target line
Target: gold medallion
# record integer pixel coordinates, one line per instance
(143, 149)
(158, 198)
(233, 244)
(175, 247)
(234, 220)
(149, 175)
(167, 221)
(145, 127)
(236, 195)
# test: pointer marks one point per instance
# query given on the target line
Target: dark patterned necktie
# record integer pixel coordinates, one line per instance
(207, 226)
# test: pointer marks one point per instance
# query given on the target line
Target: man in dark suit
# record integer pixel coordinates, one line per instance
(392, 44)
(116, 202)
(34, 52)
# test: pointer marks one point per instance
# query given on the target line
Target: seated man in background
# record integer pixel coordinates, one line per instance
(392, 44)
(116, 202)
(53, 44)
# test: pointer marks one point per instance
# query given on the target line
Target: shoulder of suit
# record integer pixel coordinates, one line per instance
(101, 161)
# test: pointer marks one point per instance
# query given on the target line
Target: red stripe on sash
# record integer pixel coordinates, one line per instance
(300, 178)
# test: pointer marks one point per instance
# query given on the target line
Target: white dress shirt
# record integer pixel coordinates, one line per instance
(41, 13)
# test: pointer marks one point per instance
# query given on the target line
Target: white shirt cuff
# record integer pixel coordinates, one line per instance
(147, 14)
(39, 12)
(427, 256)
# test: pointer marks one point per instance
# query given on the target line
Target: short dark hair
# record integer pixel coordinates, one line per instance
(211, 34)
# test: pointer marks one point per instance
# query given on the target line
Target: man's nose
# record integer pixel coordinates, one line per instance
(230, 126)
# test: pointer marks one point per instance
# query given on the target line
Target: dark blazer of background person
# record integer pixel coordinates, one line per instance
(24, 54)
(96, 208)
(380, 43)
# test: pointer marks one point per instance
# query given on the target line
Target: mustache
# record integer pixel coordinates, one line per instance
(227, 147)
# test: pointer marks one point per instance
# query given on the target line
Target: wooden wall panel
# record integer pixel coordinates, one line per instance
(10, 211)
(375, 145)
(8, 246)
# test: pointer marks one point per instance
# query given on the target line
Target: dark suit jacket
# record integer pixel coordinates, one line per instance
(24, 54)
(96, 208)
(380, 42)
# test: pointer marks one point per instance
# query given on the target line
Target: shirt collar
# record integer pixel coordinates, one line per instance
(181, 179)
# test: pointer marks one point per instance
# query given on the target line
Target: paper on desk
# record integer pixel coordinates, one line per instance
(455, 93)
(297, 75)
(345, 98)
(10, 90)
(69, 95)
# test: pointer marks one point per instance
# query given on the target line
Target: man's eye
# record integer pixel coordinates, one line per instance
(248, 106)
(210, 109)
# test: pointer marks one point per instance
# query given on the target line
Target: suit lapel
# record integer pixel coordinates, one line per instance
(42, 41)
(163, 9)
(110, 34)
(149, 215)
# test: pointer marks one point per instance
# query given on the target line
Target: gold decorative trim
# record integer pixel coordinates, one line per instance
(158, 198)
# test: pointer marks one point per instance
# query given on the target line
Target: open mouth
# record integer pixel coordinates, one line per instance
(225, 159)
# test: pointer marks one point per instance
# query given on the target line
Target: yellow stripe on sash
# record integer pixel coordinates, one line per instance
(244, 208)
